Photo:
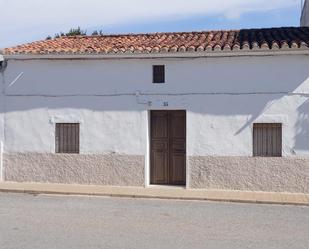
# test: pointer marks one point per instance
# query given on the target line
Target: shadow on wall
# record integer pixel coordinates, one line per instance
(28, 84)
(241, 89)
(284, 104)
(264, 106)
(302, 128)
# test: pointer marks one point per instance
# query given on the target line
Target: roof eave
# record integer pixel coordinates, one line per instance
(222, 53)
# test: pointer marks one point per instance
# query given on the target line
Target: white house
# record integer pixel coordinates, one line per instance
(209, 110)
(305, 15)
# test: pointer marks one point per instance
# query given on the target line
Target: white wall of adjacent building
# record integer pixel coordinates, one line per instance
(2, 114)
(111, 100)
(305, 15)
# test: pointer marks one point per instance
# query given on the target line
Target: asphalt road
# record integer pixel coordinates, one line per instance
(31, 222)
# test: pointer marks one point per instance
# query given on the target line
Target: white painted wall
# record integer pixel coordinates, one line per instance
(212, 75)
(2, 111)
(305, 15)
(222, 96)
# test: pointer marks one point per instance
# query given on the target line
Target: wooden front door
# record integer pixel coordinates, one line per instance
(168, 147)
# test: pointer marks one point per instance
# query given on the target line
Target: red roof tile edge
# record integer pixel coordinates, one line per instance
(270, 39)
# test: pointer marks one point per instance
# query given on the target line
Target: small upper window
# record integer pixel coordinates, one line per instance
(67, 138)
(267, 139)
(158, 74)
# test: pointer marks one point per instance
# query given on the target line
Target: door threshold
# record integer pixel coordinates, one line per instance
(167, 186)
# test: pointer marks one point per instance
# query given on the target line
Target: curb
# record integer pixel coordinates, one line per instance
(298, 199)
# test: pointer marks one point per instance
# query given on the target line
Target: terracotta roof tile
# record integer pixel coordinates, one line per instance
(246, 39)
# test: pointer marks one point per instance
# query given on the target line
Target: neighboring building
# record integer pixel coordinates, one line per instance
(214, 110)
(304, 22)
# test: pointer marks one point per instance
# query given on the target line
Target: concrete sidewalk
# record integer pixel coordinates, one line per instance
(158, 192)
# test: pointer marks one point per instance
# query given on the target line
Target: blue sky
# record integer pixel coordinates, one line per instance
(273, 18)
(30, 20)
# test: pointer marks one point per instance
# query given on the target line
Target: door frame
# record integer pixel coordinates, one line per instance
(148, 149)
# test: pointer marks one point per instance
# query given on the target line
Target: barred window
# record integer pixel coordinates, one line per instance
(267, 139)
(67, 138)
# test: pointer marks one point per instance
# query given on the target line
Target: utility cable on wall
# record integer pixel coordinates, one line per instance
(154, 94)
